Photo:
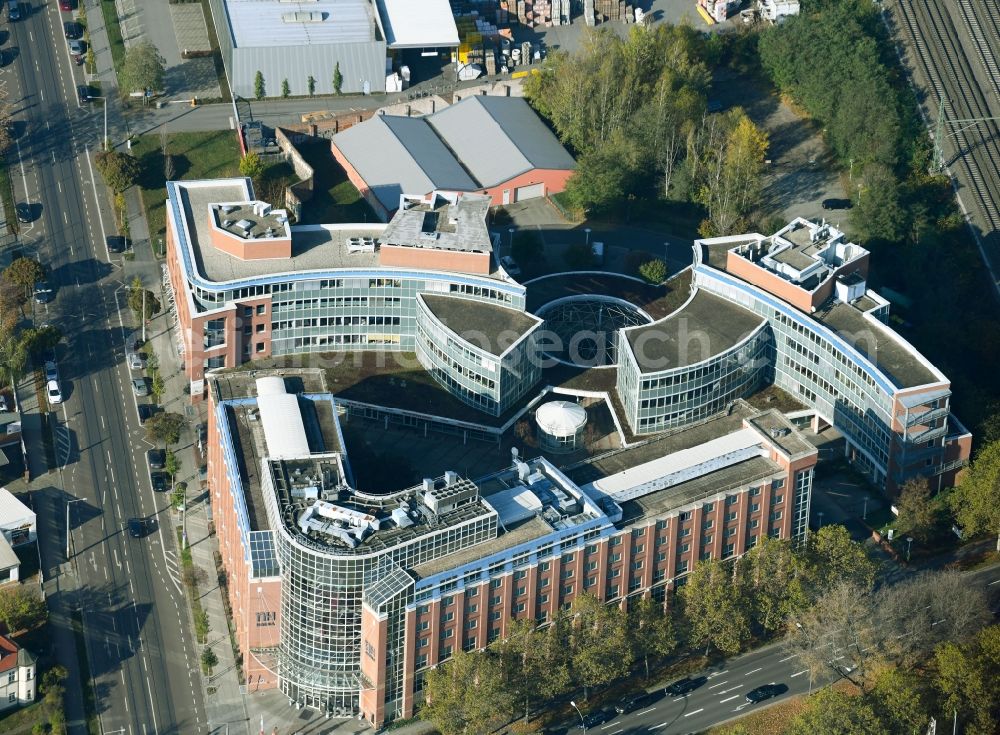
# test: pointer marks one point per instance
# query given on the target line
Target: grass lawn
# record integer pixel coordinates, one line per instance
(22, 719)
(7, 197)
(335, 199)
(207, 155)
(114, 33)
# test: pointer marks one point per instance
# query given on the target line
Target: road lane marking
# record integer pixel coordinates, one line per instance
(788, 658)
(102, 424)
(728, 699)
(718, 673)
(721, 683)
(800, 673)
(753, 672)
(100, 216)
(695, 712)
(995, 581)
(645, 711)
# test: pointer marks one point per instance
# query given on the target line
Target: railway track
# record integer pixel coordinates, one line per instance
(939, 53)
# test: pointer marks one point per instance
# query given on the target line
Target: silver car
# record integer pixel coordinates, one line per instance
(139, 387)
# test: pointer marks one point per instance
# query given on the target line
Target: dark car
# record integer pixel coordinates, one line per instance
(145, 412)
(136, 344)
(836, 204)
(66, 5)
(23, 210)
(117, 244)
(43, 293)
(594, 719)
(684, 686)
(765, 692)
(73, 30)
(139, 527)
(83, 93)
(156, 458)
(14, 10)
(159, 481)
(631, 703)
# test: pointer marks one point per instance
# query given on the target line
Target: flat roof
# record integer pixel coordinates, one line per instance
(438, 223)
(262, 23)
(708, 325)
(514, 535)
(248, 220)
(424, 24)
(488, 326)
(878, 343)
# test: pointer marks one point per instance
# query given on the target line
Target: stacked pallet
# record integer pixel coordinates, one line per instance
(588, 12)
(606, 10)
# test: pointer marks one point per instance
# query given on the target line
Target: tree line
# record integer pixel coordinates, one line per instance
(721, 604)
(634, 111)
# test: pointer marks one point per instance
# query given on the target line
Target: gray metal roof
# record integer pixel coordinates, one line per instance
(359, 63)
(401, 155)
(266, 23)
(498, 138)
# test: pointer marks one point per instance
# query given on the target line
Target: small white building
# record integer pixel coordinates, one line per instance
(17, 674)
(17, 521)
(777, 10)
(560, 426)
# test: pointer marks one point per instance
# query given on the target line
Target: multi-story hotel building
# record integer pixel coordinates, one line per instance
(343, 599)
(246, 285)
(793, 309)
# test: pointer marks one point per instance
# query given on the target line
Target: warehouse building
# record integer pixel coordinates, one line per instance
(492, 145)
(344, 600)
(295, 41)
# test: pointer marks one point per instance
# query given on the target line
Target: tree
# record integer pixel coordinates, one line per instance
(966, 676)
(533, 662)
(774, 578)
(252, 166)
(654, 271)
(286, 91)
(598, 643)
(831, 556)
(21, 608)
(338, 78)
(579, 256)
(40, 340)
(897, 702)
(142, 69)
(652, 631)
(139, 298)
(170, 464)
(917, 513)
(6, 124)
(119, 170)
(526, 247)
(603, 177)
(833, 712)
(311, 85)
(878, 214)
(258, 85)
(165, 427)
(24, 272)
(842, 620)
(467, 695)
(976, 500)
(209, 659)
(716, 607)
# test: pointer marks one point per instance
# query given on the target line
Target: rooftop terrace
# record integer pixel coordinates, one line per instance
(705, 326)
(441, 224)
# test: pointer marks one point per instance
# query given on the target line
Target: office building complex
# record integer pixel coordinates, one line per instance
(344, 599)
(246, 285)
(793, 309)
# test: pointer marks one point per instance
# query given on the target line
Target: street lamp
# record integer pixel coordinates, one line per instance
(582, 721)
(666, 255)
(510, 240)
(104, 141)
(909, 544)
(68, 504)
(586, 231)
(820, 519)
(864, 514)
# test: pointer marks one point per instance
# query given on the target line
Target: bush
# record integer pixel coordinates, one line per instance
(654, 271)
(579, 256)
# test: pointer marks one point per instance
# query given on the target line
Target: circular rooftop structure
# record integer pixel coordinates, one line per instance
(560, 425)
(583, 330)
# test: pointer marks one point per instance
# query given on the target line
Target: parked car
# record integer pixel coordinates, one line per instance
(594, 719)
(3, 403)
(13, 10)
(136, 344)
(51, 370)
(837, 204)
(684, 686)
(43, 292)
(117, 244)
(159, 481)
(145, 412)
(157, 458)
(632, 702)
(53, 393)
(66, 6)
(135, 361)
(83, 93)
(139, 387)
(77, 47)
(510, 265)
(23, 210)
(72, 29)
(765, 692)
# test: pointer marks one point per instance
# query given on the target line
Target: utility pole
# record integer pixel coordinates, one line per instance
(938, 133)
(68, 504)
(143, 316)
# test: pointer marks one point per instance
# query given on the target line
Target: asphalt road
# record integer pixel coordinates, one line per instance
(722, 696)
(142, 660)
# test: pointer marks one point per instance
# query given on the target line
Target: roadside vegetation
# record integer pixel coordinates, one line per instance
(114, 30)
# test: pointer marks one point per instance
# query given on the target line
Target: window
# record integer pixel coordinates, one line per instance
(706, 540)
(448, 616)
(709, 507)
(637, 564)
(776, 516)
(495, 615)
(639, 548)
(520, 574)
(448, 600)
(685, 532)
(12, 677)
(684, 548)
(12, 697)
(777, 484)
(567, 573)
(471, 609)
(616, 572)
(731, 516)
(682, 566)
(613, 592)
(423, 642)
(754, 492)
(662, 556)
(707, 524)
(776, 500)
(544, 582)
(591, 566)
(472, 592)
(520, 591)
(260, 328)
(614, 558)
(567, 559)
(755, 523)
(590, 582)
(728, 549)
(445, 651)
(495, 584)
(266, 619)
(448, 633)
(730, 532)
(247, 311)
(684, 516)
(259, 347)
(519, 608)
(542, 599)
(544, 566)
(496, 600)
(754, 507)
(424, 625)
(261, 309)
(731, 500)
(567, 589)
(421, 661)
